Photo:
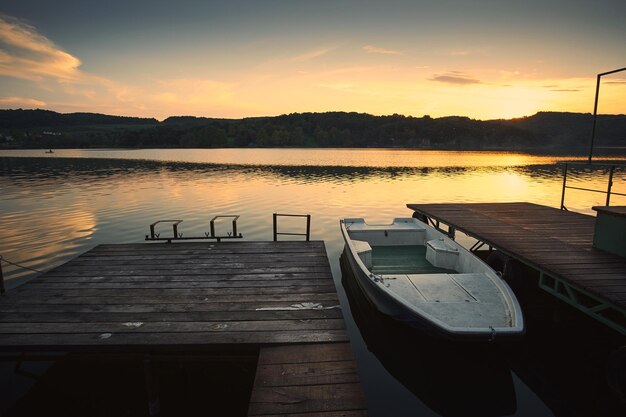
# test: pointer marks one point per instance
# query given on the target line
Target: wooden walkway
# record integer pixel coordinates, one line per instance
(556, 242)
(220, 298)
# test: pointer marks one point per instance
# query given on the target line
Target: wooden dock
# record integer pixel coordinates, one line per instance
(276, 299)
(557, 243)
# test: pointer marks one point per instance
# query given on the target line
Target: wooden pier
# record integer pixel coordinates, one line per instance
(274, 299)
(557, 243)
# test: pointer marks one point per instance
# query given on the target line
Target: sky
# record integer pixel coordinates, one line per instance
(483, 59)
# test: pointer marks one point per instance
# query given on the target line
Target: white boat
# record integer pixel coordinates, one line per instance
(414, 273)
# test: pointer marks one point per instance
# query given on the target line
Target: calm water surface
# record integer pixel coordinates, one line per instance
(54, 207)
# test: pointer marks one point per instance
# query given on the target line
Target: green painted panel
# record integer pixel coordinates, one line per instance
(610, 233)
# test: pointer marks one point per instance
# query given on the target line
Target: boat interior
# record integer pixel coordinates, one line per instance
(403, 247)
(422, 268)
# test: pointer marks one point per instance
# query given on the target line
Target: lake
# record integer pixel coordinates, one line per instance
(56, 206)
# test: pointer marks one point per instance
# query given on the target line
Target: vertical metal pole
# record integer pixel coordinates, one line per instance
(595, 108)
(234, 228)
(152, 231)
(152, 389)
(275, 229)
(564, 182)
(213, 229)
(451, 232)
(595, 114)
(608, 191)
(175, 229)
(2, 289)
(308, 227)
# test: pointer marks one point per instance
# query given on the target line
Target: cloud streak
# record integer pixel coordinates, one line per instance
(26, 54)
(455, 77)
(371, 49)
(467, 52)
(11, 102)
(307, 56)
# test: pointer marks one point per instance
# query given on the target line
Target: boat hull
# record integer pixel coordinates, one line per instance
(387, 304)
(390, 307)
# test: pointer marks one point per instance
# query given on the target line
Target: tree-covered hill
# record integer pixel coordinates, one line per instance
(24, 119)
(545, 131)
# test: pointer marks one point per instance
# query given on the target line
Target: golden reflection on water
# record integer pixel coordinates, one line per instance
(40, 239)
(54, 209)
(385, 158)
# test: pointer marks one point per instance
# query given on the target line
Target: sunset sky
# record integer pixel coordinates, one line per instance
(483, 59)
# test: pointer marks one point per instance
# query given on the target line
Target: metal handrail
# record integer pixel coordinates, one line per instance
(608, 191)
(308, 226)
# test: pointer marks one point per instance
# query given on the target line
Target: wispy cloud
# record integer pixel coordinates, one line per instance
(12, 102)
(371, 49)
(616, 82)
(563, 89)
(316, 53)
(26, 54)
(455, 77)
(467, 52)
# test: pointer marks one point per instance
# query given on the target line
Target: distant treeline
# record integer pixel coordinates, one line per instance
(545, 131)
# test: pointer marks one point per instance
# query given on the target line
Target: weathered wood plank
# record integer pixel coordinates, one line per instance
(59, 298)
(310, 373)
(191, 284)
(201, 263)
(156, 316)
(172, 327)
(175, 292)
(187, 259)
(310, 398)
(76, 271)
(94, 277)
(117, 341)
(307, 379)
(305, 354)
(139, 307)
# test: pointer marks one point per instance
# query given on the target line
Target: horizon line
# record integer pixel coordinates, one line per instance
(314, 112)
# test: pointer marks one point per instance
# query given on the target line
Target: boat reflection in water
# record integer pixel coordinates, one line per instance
(452, 379)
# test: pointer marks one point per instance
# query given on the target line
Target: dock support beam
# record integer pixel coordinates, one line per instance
(584, 301)
(152, 388)
(2, 289)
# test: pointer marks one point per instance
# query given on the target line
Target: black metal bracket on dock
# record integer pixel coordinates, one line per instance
(153, 236)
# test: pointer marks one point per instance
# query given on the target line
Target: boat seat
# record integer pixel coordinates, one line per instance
(441, 254)
(400, 232)
(364, 250)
